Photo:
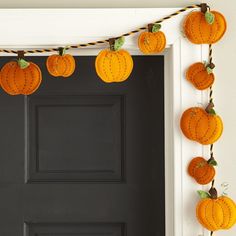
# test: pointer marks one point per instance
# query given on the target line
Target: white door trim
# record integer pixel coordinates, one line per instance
(35, 28)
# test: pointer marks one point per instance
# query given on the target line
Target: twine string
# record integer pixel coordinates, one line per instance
(43, 50)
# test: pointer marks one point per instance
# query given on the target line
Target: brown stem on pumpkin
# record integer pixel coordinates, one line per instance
(211, 65)
(209, 107)
(150, 27)
(204, 7)
(61, 51)
(111, 43)
(20, 54)
(213, 193)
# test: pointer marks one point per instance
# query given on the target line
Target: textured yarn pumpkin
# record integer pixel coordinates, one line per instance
(199, 31)
(114, 66)
(17, 79)
(61, 65)
(153, 41)
(200, 125)
(216, 213)
(199, 75)
(201, 170)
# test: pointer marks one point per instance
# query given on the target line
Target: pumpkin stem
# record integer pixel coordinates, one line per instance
(209, 109)
(61, 51)
(213, 193)
(209, 67)
(204, 7)
(150, 27)
(112, 43)
(21, 60)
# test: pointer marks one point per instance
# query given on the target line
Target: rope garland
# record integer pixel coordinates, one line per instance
(211, 101)
(43, 50)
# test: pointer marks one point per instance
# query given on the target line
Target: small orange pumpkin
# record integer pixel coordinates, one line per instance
(215, 213)
(153, 41)
(20, 77)
(201, 170)
(114, 64)
(61, 65)
(204, 27)
(200, 125)
(200, 75)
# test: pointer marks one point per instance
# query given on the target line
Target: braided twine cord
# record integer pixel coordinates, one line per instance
(43, 50)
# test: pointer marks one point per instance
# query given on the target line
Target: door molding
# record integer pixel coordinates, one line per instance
(35, 28)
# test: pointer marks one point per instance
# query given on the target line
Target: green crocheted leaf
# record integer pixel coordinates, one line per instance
(212, 111)
(203, 194)
(210, 17)
(23, 63)
(213, 163)
(209, 70)
(119, 43)
(156, 28)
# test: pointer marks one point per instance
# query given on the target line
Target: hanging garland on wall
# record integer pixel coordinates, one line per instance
(115, 64)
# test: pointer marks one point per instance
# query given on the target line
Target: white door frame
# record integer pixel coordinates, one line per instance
(35, 28)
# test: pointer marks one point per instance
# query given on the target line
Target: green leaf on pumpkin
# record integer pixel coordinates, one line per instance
(203, 194)
(212, 111)
(209, 70)
(210, 17)
(156, 28)
(213, 163)
(23, 63)
(119, 43)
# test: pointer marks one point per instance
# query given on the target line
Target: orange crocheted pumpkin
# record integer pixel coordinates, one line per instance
(61, 65)
(114, 64)
(204, 27)
(216, 213)
(200, 75)
(20, 77)
(201, 170)
(153, 41)
(200, 125)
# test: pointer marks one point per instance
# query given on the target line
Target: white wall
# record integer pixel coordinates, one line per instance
(224, 58)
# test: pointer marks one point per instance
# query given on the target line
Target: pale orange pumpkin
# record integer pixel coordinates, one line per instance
(20, 77)
(61, 65)
(201, 125)
(113, 65)
(199, 31)
(216, 213)
(152, 42)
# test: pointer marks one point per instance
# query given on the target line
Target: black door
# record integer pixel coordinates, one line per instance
(83, 158)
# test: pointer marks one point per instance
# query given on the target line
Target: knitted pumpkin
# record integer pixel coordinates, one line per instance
(201, 170)
(114, 64)
(20, 77)
(216, 213)
(153, 41)
(200, 125)
(200, 75)
(61, 65)
(204, 27)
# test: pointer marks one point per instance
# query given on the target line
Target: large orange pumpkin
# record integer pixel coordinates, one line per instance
(198, 74)
(20, 77)
(199, 31)
(61, 65)
(113, 65)
(216, 213)
(153, 41)
(201, 170)
(201, 125)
